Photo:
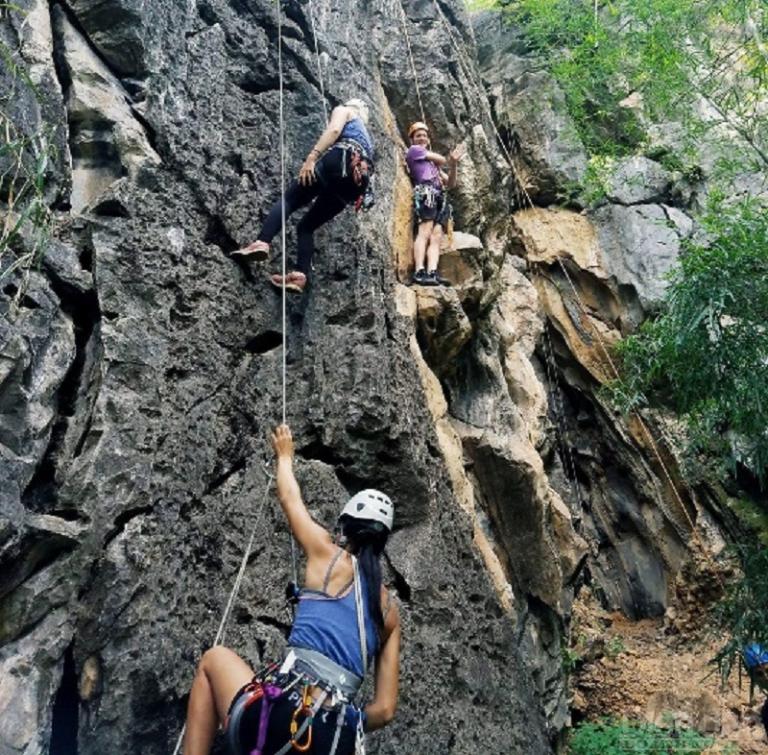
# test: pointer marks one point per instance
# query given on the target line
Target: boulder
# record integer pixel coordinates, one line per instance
(638, 180)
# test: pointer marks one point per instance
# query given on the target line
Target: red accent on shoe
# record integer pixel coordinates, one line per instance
(294, 281)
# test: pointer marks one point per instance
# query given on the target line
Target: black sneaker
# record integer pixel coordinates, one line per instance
(420, 277)
(435, 279)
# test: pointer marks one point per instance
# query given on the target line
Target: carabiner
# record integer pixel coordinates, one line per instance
(304, 709)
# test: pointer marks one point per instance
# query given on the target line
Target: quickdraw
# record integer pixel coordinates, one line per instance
(426, 195)
(306, 710)
(355, 160)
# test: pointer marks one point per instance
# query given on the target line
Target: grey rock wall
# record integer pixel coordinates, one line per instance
(142, 370)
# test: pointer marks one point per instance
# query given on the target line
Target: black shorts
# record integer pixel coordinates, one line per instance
(279, 722)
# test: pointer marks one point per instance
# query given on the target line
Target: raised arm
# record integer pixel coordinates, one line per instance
(384, 704)
(453, 163)
(314, 539)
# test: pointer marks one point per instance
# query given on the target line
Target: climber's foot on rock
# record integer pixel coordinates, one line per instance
(294, 281)
(258, 251)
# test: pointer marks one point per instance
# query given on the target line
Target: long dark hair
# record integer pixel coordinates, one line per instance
(366, 539)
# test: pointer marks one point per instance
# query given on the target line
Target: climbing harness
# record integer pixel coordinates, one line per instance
(334, 686)
(355, 162)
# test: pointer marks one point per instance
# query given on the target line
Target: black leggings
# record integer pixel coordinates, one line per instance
(278, 728)
(764, 715)
(333, 190)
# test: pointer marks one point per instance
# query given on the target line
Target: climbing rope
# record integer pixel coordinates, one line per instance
(282, 202)
(318, 61)
(404, 20)
(221, 631)
(294, 557)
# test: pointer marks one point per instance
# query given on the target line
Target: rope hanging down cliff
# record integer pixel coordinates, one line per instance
(283, 293)
(528, 202)
(404, 20)
(222, 630)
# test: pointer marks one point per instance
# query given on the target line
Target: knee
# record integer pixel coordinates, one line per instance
(213, 657)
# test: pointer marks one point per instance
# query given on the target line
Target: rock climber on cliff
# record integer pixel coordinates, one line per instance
(336, 172)
(756, 662)
(431, 206)
(345, 620)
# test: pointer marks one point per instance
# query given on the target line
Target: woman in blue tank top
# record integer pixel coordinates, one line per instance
(336, 172)
(344, 621)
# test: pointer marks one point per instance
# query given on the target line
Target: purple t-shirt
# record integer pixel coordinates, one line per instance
(422, 171)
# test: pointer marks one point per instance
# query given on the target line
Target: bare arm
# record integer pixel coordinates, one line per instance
(382, 709)
(314, 539)
(453, 163)
(328, 138)
(436, 158)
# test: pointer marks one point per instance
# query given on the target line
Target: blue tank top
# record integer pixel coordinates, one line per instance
(355, 129)
(328, 625)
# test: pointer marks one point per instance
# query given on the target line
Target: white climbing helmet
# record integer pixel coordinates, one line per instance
(370, 504)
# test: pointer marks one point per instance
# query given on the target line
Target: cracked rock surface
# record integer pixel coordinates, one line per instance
(140, 373)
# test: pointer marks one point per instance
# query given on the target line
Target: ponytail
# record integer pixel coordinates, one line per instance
(367, 540)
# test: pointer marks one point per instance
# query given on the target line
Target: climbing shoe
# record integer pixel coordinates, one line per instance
(419, 278)
(258, 251)
(294, 281)
(435, 279)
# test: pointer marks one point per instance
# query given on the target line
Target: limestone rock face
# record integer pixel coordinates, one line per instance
(138, 431)
(638, 180)
(107, 140)
(529, 104)
(141, 369)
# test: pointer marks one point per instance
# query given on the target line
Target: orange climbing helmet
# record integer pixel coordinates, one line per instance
(417, 126)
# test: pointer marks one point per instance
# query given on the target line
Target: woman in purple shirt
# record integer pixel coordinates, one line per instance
(431, 206)
(344, 622)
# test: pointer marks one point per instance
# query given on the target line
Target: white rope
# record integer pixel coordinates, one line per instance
(404, 19)
(221, 631)
(282, 194)
(317, 59)
(282, 238)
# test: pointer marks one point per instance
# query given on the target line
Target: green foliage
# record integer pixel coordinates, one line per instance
(706, 355)
(571, 658)
(700, 63)
(595, 184)
(743, 613)
(608, 737)
(26, 156)
(478, 5)
(752, 516)
(614, 647)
